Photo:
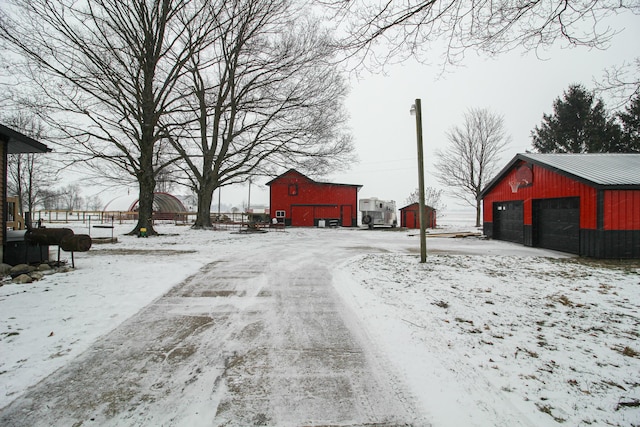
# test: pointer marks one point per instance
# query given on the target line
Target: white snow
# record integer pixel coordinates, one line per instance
(485, 333)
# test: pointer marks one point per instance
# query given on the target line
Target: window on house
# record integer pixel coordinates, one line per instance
(293, 189)
(280, 214)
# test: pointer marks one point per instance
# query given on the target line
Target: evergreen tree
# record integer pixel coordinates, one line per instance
(630, 120)
(579, 124)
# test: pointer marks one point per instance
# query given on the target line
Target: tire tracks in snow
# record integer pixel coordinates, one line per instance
(251, 339)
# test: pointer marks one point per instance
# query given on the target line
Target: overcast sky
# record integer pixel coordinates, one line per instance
(521, 87)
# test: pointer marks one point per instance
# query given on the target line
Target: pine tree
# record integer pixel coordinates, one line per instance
(630, 120)
(579, 124)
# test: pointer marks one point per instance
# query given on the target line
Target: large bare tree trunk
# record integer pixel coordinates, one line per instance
(203, 218)
(147, 185)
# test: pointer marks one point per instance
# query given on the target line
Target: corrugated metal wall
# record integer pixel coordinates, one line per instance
(621, 210)
(609, 219)
(546, 185)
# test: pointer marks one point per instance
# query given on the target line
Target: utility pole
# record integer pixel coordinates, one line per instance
(416, 109)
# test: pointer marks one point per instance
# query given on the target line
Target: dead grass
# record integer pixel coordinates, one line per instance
(441, 304)
(629, 352)
(548, 409)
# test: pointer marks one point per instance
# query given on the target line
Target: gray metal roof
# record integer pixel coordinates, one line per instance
(599, 168)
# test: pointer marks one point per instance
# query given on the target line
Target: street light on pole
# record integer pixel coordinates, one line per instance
(416, 109)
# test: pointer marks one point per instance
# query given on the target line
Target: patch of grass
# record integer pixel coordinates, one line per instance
(614, 384)
(629, 403)
(527, 352)
(562, 299)
(461, 320)
(629, 352)
(441, 304)
(547, 409)
(625, 265)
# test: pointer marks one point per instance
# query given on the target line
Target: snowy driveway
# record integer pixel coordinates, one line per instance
(257, 337)
(322, 327)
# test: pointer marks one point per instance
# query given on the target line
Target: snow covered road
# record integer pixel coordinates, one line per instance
(254, 338)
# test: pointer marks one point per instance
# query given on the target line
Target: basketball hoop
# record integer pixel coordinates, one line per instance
(514, 186)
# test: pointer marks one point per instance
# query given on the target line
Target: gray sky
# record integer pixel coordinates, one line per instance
(521, 87)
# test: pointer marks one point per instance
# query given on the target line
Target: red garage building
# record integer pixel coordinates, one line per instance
(410, 218)
(585, 204)
(297, 200)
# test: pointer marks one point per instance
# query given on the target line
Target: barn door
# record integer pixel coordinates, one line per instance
(302, 216)
(411, 219)
(556, 224)
(346, 217)
(508, 221)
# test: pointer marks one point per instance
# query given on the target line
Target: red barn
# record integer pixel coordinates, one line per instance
(585, 204)
(410, 218)
(297, 200)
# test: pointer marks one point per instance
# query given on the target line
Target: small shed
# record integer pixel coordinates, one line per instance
(13, 142)
(297, 200)
(585, 204)
(410, 216)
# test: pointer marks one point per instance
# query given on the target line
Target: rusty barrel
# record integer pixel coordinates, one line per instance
(48, 236)
(76, 243)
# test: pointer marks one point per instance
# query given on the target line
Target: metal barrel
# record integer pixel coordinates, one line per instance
(76, 243)
(48, 236)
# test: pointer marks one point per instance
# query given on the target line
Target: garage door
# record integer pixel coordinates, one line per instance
(556, 224)
(508, 221)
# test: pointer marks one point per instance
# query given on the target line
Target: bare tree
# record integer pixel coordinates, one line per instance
(472, 156)
(28, 174)
(51, 199)
(432, 198)
(405, 29)
(103, 72)
(621, 83)
(71, 198)
(264, 96)
(93, 203)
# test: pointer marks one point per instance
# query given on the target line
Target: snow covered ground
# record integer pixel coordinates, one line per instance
(484, 334)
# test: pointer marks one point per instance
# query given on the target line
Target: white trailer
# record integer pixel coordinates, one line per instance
(377, 212)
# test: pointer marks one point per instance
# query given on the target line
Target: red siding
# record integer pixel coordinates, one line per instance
(409, 216)
(305, 201)
(621, 210)
(546, 185)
